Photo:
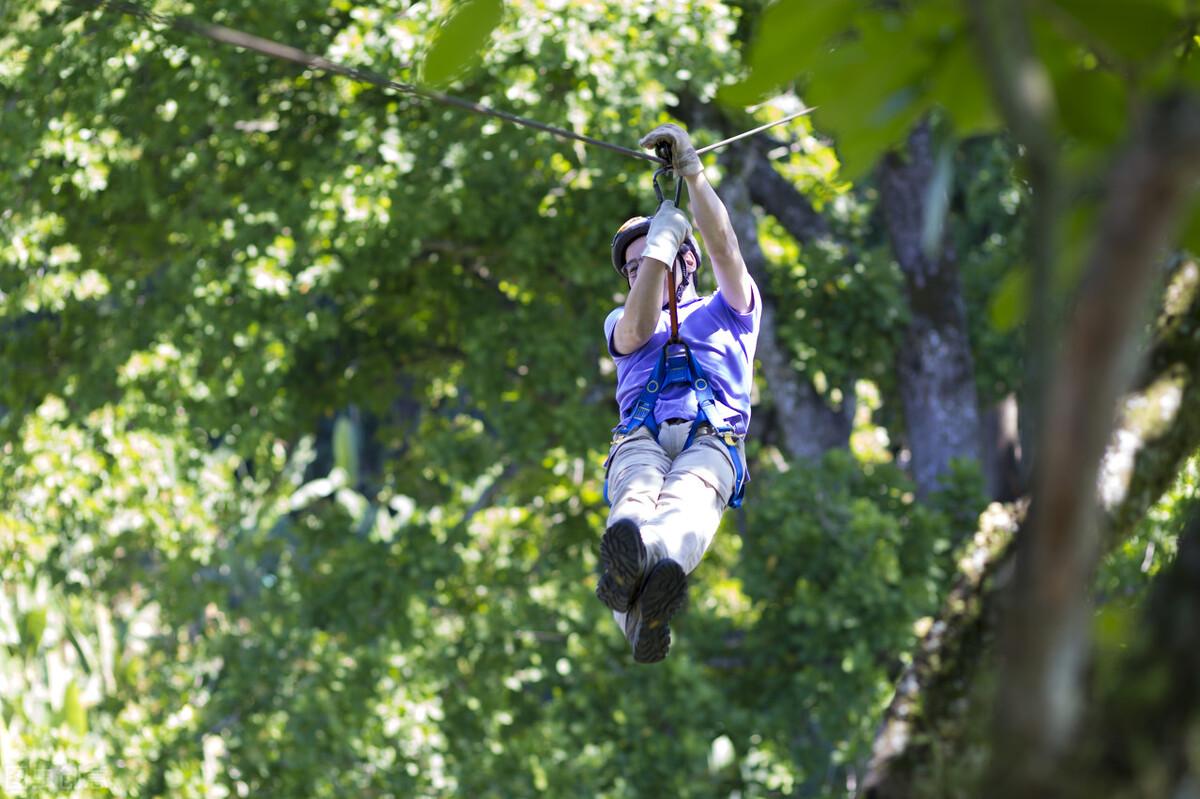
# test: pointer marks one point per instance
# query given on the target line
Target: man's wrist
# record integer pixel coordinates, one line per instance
(660, 253)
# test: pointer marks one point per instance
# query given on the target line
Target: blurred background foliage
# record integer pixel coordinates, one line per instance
(304, 398)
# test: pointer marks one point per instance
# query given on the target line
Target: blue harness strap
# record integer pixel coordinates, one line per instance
(681, 368)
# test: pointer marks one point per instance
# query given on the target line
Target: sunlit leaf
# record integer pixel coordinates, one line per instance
(1010, 302)
(792, 37)
(721, 754)
(1131, 29)
(33, 625)
(959, 88)
(74, 712)
(355, 505)
(461, 39)
(860, 143)
(867, 95)
(346, 447)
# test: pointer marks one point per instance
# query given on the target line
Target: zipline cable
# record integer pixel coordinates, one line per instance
(223, 35)
(759, 129)
(283, 52)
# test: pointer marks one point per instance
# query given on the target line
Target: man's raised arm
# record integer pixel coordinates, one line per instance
(712, 218)
(643, 307)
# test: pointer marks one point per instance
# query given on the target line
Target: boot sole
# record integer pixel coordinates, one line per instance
(663, 595)
(623, 558)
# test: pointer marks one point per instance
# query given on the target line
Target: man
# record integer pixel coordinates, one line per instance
(667, 496)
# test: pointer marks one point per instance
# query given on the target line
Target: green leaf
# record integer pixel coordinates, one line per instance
(1132, 30)
(792, 35)
(960, 89)
(33, 625)
(867, 92)
(1010, 302)
(355, 505)
(1190, 70)
(459, 43)
(74, 712)
(345, 448)
(1190, 237)
(862, 139)
(1092, 105)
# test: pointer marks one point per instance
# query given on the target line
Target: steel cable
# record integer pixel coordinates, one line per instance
(267, 47)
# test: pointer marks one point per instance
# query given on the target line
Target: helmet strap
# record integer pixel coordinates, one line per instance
(683, 284)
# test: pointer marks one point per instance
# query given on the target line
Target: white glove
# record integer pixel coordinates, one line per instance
(668, 229)
(684, 162)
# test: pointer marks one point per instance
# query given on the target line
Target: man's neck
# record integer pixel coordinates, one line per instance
(688, 296)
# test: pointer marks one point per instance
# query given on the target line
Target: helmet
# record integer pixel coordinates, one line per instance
(636, 227)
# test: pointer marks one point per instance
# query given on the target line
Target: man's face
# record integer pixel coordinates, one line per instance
(633, 260)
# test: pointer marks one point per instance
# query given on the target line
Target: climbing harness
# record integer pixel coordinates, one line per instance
(677, 366)
(681, 368)
(267, 47)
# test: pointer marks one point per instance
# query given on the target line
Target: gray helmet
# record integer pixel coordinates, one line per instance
(634, 228)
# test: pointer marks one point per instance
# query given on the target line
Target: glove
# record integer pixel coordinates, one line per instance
(668, 229)
(685, 161)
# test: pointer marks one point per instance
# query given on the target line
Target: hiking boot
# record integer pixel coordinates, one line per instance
(663, 594)
(623, 557)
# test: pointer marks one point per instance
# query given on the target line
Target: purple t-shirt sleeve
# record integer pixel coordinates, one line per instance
(742, 322)
(610, 327)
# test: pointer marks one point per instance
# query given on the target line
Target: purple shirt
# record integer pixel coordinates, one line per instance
(723, 342)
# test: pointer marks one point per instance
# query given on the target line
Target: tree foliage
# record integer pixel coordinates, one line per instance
(304, 394)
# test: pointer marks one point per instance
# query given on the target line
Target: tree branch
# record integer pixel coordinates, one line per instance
(779, 198)
(935, 369)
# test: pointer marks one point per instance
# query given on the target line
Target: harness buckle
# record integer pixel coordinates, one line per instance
(731, 439)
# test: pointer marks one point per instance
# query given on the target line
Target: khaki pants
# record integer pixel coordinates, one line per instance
(676, 496)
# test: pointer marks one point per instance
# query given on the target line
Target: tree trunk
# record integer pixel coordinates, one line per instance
(935, 370)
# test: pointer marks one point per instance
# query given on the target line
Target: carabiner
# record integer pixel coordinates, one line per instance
(658, 189)
(663, 151)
